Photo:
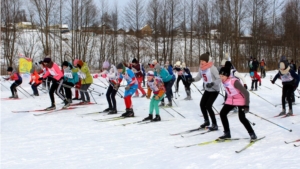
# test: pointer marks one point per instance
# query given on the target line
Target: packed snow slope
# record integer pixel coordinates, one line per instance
(68, 139)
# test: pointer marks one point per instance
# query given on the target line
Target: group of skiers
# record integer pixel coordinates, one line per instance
(160, 80)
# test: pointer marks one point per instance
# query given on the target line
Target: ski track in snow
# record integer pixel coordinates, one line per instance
(65, 139)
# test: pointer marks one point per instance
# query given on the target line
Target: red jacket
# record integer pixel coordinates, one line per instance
(255, 76)
(35, 78)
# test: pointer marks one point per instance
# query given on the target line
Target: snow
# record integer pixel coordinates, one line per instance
(66, 139)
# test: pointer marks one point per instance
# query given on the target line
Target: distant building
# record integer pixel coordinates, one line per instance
(146, 30)
(26, 25)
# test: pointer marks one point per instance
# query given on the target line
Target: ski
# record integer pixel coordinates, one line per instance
(187, 131)
(80, 104)
(198, 134)
(148, 122)
(250, 144)
(285, 116)
(286, 142)
(57, 110)
(93, 113)
(297, 145)
(28, 111)
(135, 122)
(10, 98)
(211, 142)
(177, 112)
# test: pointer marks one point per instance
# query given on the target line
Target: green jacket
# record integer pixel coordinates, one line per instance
(85, 75)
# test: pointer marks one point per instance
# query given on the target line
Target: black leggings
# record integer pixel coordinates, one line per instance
(186, 84)
(111, 97)
(288, 93)
(55, 87)
(177, 82)
(13, 87)
(206, 104)
(68, 89)
(254, 83)
(169, 92)
(223, 114)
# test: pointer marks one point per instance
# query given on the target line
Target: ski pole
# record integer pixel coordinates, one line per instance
(253, 124)
(168, 112)
(262, 98)
(20, 90)
(197, 89)
(99, 86)
(290, 130)
(93, 97)
(267, 87)
(175, 102)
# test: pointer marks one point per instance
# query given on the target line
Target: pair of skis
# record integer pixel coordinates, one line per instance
(295, 145)
(222, 141)
(45, 111)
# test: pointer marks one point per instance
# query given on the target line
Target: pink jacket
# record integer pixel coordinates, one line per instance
(54, 71)
(234, 96)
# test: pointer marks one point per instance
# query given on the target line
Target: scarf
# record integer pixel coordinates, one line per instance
(206, 65)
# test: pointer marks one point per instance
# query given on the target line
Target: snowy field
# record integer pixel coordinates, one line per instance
(69, 140)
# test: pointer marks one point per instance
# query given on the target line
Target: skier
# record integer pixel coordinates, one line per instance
(290, 82)
(34, 81)
(130, 89)
(137, 69)
(14, 75)
(262, 68)
(78, 84)
(70, 79)
(169, 67)
(47, 81)
(255, 78)
(167, 79)
(178, 69)
(155, 85)
(237, 96)
(114, 83)
(86, 81)
(211, 79)
(57, 81)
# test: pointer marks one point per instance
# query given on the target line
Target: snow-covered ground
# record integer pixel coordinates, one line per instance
(66, 139)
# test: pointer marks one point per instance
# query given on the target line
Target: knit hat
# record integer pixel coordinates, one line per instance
(228, 64)
(120, 66)
(9, 69)
(154, 61)
(105, 65)
(75, 62)
(177, 64)
(65, 63)
(47, 60)
(134, 61)
(150, 73)
(224, 71)
(80, 63)
(157, 66)
(204, 57)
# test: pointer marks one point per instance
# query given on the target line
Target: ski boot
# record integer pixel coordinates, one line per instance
(67, 104)
(52, 107)
(226, 135)
(162, 104)
(129, 113)
(113, 111)
(213, 127)
(253, 136)
(157, 118)
(290, 113)
(169, 104)
(205, 124)
(107, 110)
(282, 112)
(150, 117)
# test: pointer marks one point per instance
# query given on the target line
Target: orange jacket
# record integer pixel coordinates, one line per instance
(157, 85)
(35, 78)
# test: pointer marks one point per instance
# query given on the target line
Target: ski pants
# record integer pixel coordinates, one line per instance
(254, 83)
(154, 105)
(56, 87)
(206, 104)
(84, 92)
(13, 87)
(140, 80)
(67, 88)
(242, 116)
(169, 92)
(34, 88)
(111, 97)
(287, 92)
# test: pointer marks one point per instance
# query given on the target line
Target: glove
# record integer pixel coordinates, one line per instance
(210, 85)
(246, 87)
(259, 83)
(41, 78)
(127, 87)
(156, 97)
(148, 97)
(191, 80)
(272, 81)
(246, 109)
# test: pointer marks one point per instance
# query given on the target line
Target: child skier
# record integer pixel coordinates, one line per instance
(78, 84)
(130, 89)
(137, 69)
(70, 79)
(255, 78)
(14, 75)
(114, 83)
(53, 70)
(290, 82)
(211, 80)
(237, 95)
(34, 81)
(86, 81)
(156, 85)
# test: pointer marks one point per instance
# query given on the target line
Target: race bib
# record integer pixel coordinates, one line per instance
(287, 77)
(230, 89)
(206, 75)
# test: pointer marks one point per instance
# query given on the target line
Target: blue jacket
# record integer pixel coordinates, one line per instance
(170, 70)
